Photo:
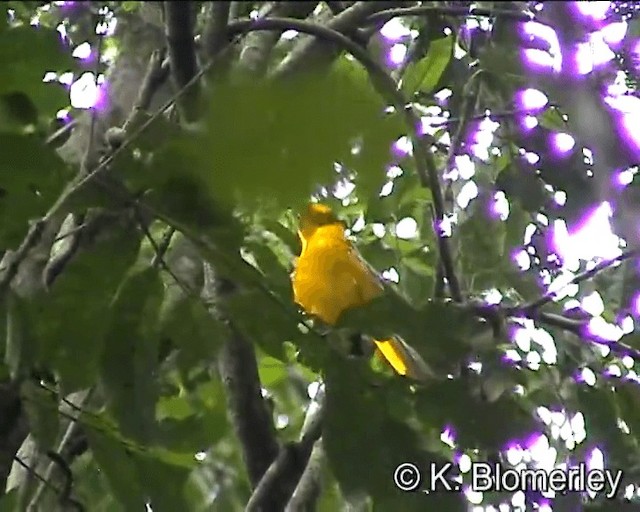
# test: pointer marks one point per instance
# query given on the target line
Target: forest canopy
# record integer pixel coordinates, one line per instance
(155, 161)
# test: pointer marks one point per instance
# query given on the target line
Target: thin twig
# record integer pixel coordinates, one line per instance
(61, 132)
(158, 256)
(37, 475)
(583, 276)
(163, 246)
(66, 438)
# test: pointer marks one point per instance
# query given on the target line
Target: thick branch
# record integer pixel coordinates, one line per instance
(308, 489)
(13, 428)
(257, 47)
(310, 51)
(280, 480)
(246, 407)
(215, 31)
(179, 20)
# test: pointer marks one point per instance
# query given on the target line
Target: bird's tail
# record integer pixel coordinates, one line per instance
(404, 359)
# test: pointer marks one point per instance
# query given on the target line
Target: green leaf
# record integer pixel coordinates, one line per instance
(9, 502)
(264, 320)
(190, 328)
(91, 277)
(522, 185)
(479, 423)
(271, 371)
(41, 407)
(416, 280)
(130, 355)
(118, 465)
(425, 74)
(481, 248)
(193, 421)
(31, 178)
(601, 420)
(47, 53)
(165, 484)
(437, 331)
(20, 346)
(275, 275)
(177, 181)
(364, 445)
(551, 119)
(305, 125)
(17, 112)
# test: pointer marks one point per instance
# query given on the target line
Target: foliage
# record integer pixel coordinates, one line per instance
(157, 430)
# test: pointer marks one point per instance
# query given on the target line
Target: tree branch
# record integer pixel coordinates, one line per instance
(13, 427)
(310, 51)
(246, 407)
(389, 14)
(583, 276)
(308, 489)
(215, 31)
(179, 18)
(257, 47)
(84, 397)
(155, 76)
(280, 480)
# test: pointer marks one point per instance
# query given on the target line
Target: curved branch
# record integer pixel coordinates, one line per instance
(450, 11)
(311, 49)
(258, 46)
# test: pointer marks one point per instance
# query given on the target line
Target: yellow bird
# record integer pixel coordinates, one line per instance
(330, 277)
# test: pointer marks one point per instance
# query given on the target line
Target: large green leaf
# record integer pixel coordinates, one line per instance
(118, 465)
(364, 445)
(164, 484)
(130, 358)
(287, 135)
(31, 178)
(65, 327)
(20, 346)
(47, 52)
(264, 319)
(438, 331)
(192, 421)
(42, 413)
(191, 329)
(425, 74)
(478, 422)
